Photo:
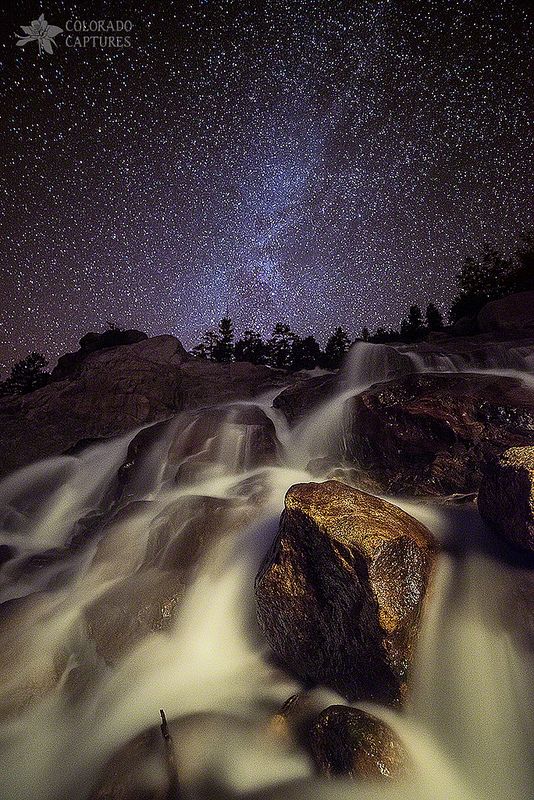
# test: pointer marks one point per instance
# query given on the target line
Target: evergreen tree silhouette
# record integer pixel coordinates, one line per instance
(206, 347)
(434, 318)
(336, 347)
(280, 346)
(26, 375)
(223, 350)
(251, 348)
(305, 353)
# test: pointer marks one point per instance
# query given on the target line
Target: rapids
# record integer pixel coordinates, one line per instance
(68, 701)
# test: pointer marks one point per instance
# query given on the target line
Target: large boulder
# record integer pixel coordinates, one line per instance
(342, 741)
(340, 593)
(509, 314)
(435, 433)
(349, 742)
(224, 440)
(115, 390)
(196, 445)
(506, 496)
(69, 364)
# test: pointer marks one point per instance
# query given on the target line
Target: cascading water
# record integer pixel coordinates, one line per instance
(131, 591)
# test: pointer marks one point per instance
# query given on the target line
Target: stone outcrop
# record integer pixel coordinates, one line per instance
(147, 600)
(69, 364)
(514, 313)
(506, 496)
(116, 389)
(339, 596)
(435, 433)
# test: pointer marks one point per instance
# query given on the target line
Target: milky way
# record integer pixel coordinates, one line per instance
(319, 163)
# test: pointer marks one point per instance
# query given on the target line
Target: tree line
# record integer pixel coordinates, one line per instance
(484, 277)
(488, 276)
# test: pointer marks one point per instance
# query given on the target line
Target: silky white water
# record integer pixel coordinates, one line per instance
(83, 670)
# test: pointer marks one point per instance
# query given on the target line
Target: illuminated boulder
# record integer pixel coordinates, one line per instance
(340, 594)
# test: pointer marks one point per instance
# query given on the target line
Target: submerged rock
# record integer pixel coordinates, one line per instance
(232, 438)
(435, 433)
(349, 742)
(340, 594)
(136, 771)
(158, 569)
(506, 496)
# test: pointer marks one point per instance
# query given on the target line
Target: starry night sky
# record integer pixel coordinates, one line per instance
(319, 163)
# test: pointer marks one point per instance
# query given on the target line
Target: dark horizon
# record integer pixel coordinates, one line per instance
(331, 163)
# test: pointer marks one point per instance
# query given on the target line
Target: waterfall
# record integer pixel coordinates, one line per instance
(129, 589)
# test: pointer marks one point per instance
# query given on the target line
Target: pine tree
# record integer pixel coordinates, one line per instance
(279, 346)
(223, 350)
(251, 348)
(336, 347)
(412, 328)
(206, 347)
(26, 375)
(434, 318)
(305, 353)
(365, 334)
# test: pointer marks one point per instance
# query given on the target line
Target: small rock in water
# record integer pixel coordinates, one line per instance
(349, 742)
(339, 596)
(506, 496)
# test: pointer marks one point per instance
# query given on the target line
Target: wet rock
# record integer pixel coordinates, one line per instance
(136, 771)
(435, 433)
(297, 401)
(506, 496)
(340, 594)
(294, 719)
(7, 552)
(216, 757)
(33, 656)
(115, 390)
(136, 607)
(228, 439)
(349, 742)
(206, 383)
(512, 313)
(147, 598)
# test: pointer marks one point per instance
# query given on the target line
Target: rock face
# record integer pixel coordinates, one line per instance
(234, 438)
(512, 313)
(434, 433)
(506, 496)
(340, 594)
(298, 400)
(69, 364)
(349, 742)
(113, 390)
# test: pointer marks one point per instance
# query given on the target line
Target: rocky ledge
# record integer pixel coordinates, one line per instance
(435, 433)
(97, 394)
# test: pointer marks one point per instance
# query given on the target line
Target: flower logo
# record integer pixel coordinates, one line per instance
(41, 32)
